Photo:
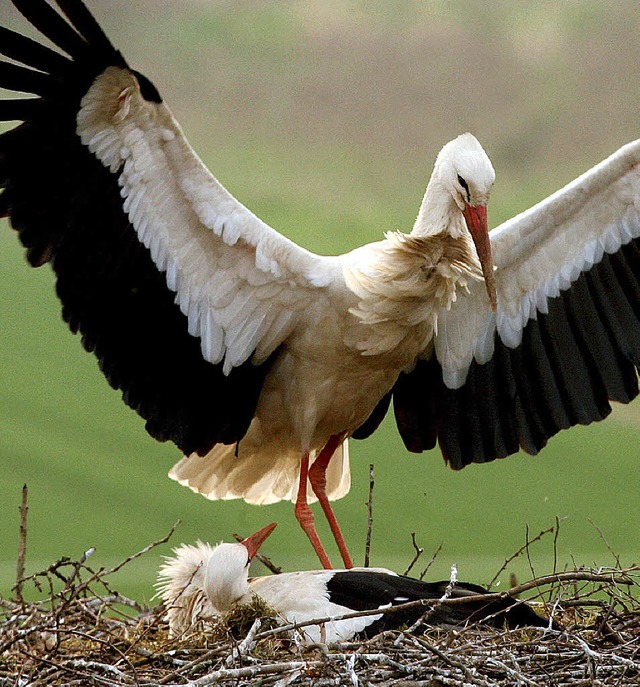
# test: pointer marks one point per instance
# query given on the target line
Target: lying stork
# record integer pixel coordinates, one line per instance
(202, 582)
(259, 359)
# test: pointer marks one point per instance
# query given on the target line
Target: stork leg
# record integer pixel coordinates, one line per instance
(305, 516)
(318, 480)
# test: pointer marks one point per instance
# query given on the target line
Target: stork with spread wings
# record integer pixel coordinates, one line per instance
(258, 358)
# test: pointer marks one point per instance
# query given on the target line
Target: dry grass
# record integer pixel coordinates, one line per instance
(80, 631)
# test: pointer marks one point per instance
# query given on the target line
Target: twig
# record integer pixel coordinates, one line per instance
(519, 552)
(22, 547)
(453, 581)
(467, 672)
(526, 548)
(186, 669)
(253, 671)
(431, 562)
(556, 534)
(616, 557)
(146, 549)
(367, 548)
(418, 552)
(245, 645)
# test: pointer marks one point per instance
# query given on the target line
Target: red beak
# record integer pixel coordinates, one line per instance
(476, 219)
(255, 541)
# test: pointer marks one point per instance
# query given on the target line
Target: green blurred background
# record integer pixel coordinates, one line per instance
(324, 118)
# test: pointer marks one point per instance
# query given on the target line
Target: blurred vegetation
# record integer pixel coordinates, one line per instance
(324, 118)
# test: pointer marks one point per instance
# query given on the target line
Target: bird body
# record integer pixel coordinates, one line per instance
(352, 323)
(260, 359)
(332, 372)
(199, 583)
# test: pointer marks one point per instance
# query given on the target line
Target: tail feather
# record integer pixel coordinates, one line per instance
(257, 476)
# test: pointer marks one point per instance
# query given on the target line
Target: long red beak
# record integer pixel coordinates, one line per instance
(255, 541)
(476, 219)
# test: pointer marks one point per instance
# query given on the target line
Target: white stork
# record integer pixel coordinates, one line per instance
(259, 359)
(201, 582)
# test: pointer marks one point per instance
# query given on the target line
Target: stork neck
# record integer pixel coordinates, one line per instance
(438, 213)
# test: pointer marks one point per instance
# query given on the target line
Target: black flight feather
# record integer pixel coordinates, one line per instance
(363, 590)
(572, 361)
(67, 210)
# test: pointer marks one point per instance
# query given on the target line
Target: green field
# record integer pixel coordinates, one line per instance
(325, 123)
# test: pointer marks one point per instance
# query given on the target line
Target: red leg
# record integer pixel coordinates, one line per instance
(318, 480)
(305, 516)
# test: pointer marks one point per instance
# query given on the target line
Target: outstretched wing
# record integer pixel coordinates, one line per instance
(181, 292)
(565, 340)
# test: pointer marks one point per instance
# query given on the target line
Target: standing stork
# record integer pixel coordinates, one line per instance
(200, 582)
(259, 359)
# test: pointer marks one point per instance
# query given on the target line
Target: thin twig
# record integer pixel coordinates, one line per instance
(528, 551)
(146, 549)
(519, 552)
(431, 562)
(418, 552)
(22, 547)
(616, 558)
(556, 534)
(367, 548)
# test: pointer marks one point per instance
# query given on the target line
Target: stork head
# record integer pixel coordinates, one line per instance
(226, 571)
(464, 173)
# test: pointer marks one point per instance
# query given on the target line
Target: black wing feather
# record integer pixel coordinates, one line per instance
(573, 360)
(13, 77)
(363, 590)
(17, 109)
(53, 26)
(67, 210)
(29, 52)
(369, 426)
(85, 23)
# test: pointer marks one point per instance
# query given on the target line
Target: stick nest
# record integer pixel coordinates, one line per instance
(83, 632)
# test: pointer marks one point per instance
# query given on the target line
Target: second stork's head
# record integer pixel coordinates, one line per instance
(226, 571)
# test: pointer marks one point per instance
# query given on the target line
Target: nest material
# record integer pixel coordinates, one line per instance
(82, 632)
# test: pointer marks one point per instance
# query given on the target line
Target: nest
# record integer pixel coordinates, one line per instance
(83, 632)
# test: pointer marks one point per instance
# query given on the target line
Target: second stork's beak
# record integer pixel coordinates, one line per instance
(255, 541)
(476, 219)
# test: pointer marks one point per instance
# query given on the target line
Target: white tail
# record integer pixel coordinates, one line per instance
(258, 478)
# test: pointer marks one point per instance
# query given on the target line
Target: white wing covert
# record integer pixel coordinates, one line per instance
(239, 282)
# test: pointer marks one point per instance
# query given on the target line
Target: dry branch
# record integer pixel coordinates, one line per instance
(22, 546)
(367, 548)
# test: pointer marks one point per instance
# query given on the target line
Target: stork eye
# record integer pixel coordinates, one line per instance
(464, 185)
